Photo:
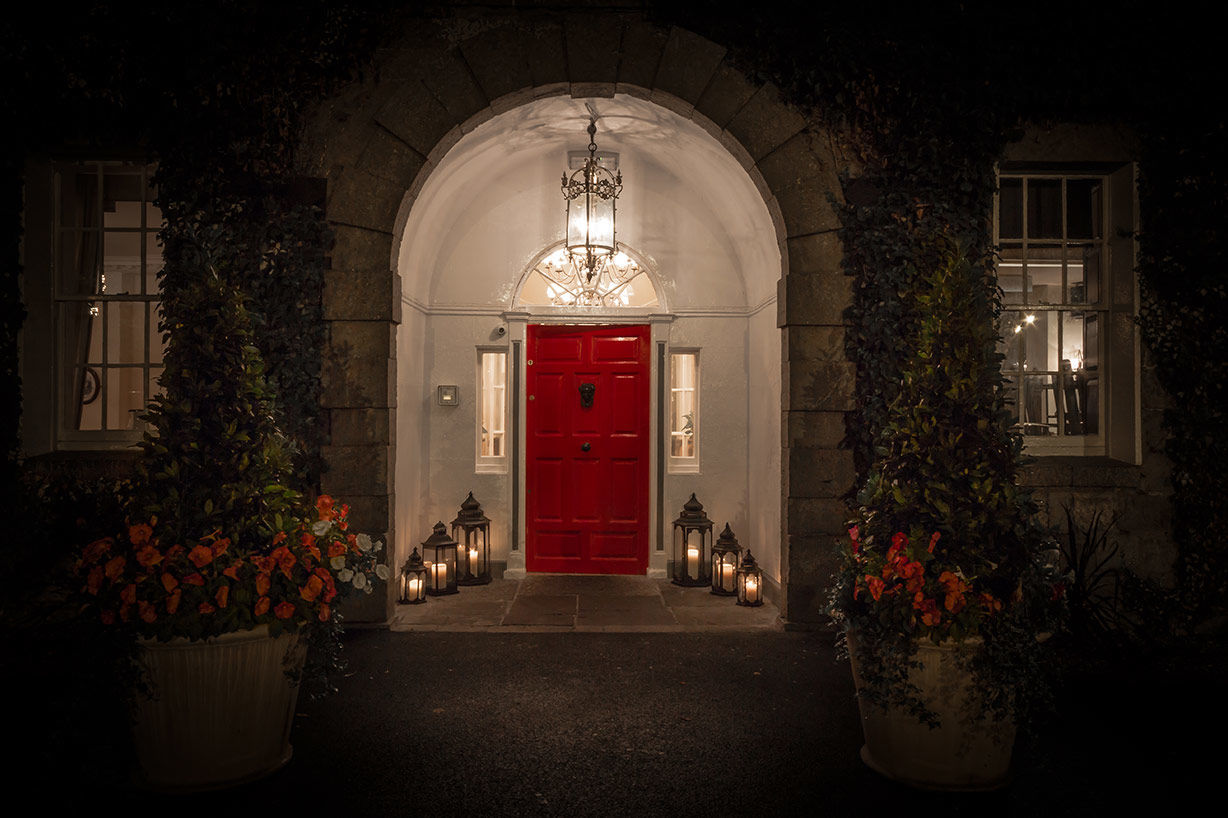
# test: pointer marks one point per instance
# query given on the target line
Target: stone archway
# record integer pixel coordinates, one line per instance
(378, 141)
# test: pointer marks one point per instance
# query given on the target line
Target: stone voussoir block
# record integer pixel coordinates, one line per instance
(452, 83)
(728, 90)
(388, 157)
(360, 250)
(815, 298)
(361, 427)
(813, 429)
(814, 342)
(816, 253)
(356, 296)
(497, 58)
(592, 54)
(415, 117)
(764, 122)
(642, 45)
(360, 199)
(819, 473)
(687, 64)
(815, 516)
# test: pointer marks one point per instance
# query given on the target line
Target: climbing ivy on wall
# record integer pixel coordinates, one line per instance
(926, 97)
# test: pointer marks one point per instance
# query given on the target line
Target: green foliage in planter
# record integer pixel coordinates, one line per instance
(944, 470)
(214, 457)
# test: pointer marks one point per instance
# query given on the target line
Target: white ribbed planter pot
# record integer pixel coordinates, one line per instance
(221, 710)
(958, 755)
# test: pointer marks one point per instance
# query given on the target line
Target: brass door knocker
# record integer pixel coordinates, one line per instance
(586, 395)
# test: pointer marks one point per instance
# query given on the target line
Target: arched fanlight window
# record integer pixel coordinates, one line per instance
(556, 281)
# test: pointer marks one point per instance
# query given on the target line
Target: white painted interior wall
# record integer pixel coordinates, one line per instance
(488, 210)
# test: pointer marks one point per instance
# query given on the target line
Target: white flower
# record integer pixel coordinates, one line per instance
(381, 571)
(360, 581)
(345, 575)
(337, 563)
(320, 527)
(364, 542)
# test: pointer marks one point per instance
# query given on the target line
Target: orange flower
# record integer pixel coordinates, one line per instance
(284, 610)
(148, 614)
(934, 541)
(169, 582)
(262, 584)
(172, 601)
(312, 589)
(174, 551)
(283, 558)
(336, 549)
(140, 533)
(222, 596)
(324, 612)
(324, 505)
(327, 578)
(262, 606)
(94, 581)
(148, 555)
(955, 603)
(194, 579)
(205, 608)
(279, 537)
(232, 570)
(115, 567)
(220, 547)
(128, 595)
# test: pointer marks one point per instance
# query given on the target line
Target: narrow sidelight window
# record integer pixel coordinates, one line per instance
(492, 411)
(684, 412)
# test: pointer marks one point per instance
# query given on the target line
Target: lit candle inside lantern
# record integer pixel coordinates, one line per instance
(473, 561)
(415, 587)
(752, 590)
(692, 561)
(727, 575)
(439, 574)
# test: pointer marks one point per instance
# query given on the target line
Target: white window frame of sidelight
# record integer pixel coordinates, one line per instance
(491, 410)
(688, 463)
(1113, 383)
(120, 283)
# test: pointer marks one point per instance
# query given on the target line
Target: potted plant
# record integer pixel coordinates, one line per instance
(946, 579)
(222, 566)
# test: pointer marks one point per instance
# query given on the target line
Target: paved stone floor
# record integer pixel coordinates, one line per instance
(552, 602)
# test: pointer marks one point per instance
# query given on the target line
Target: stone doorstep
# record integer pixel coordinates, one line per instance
(552, 602)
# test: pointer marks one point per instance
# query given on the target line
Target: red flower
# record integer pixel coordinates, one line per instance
(336, 549)
(205, 608)
(222, 597)
(262, 606)
(93, 582)
(875, 585)
(232, 570)
(220, 547)
(128, 595)
(324, 505)
(140, 533)
(279, 537)
(201, 555)
(148, 614)
(114, 568)
(312, 589)
(95, 550)
(169, 582)
(934, 541)
(854, 533)
(194, 579)
(148, 555)
(284, 610)
(172, 601)
(263, 582)
(324, 612)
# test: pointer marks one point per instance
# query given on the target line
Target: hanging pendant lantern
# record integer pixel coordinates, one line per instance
(725, 557)
(440, 561)
(471, 530)
(413, 580)
(692, 543)
(592, 272)
(750, 582)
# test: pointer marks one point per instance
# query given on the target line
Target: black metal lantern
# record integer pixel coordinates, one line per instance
(473, 550)
(440, 558)
(413, 580)
(725, 556)
(750, 582)
(692, 542)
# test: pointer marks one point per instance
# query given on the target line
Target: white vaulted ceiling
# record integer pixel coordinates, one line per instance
(493, 204)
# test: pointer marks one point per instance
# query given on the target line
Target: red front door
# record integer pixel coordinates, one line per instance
(587, 450)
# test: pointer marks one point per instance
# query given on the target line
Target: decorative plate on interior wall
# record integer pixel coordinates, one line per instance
(91, 385)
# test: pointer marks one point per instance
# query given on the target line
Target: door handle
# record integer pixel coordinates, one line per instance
(586, 395)
(585, 446)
